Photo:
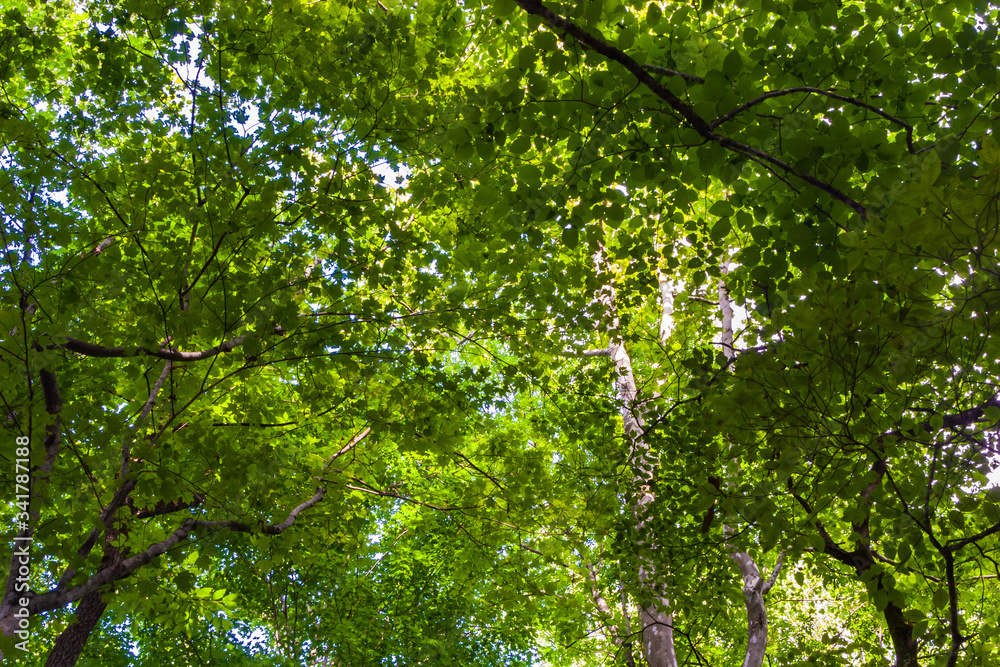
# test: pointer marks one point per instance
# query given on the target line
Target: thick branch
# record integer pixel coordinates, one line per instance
(277, 528)
(39, 478)
(50, 388)
(93, 350)
(605, 610)
(666, 307)
(598, 597)
(537, 8)
(657, 621)
(55, 599)
(162, 508)
(70, 642)
(753, 583)
(861, 560)
(753, 599)
(830, 545)
(53, 436)
(954, 545)
(965, 417)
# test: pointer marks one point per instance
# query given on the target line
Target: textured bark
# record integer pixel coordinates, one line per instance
(627, 643)
(10, 605)
(601, 603)
(666, 307)
(657, 622)
(753, 599)
(70, 642)
(901, 633)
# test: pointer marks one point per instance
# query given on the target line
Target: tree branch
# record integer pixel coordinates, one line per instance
(656, 69)
(819, 91)
(955, 545)
(769, 584)
(162, 507)
(40, 479)
(55, 599)
(699, 124)
(59, 598)
(349, 446)
(93, 350)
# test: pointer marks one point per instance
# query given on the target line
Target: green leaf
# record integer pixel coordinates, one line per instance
(721, 209)
(653, 14)
(733, 64)
(930, 168)
(939, 46)
(721, 229)
(456, 271)
(941, 599)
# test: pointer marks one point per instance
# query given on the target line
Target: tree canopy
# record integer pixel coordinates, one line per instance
(519, 333)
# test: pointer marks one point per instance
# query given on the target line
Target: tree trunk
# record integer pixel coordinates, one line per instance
(70, 642)
(657, 622)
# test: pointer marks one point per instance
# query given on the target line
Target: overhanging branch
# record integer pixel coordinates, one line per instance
(60, 598)
(94, 350)
(699, 124)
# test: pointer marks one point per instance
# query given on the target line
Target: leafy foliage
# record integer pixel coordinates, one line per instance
(306, 321)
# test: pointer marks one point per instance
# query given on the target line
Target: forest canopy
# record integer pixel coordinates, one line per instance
(340, 332)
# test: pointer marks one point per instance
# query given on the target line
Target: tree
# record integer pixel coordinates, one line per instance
(510, 388)
(215, 306)
(822, 242)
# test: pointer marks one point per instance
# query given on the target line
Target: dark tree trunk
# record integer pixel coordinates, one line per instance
(70, 642)
(901, 632)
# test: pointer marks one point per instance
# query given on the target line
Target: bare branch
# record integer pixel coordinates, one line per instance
(349, 446)
(99, 248)
(479, 470)
(398, 496)
(93, 350)
(146, 409)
